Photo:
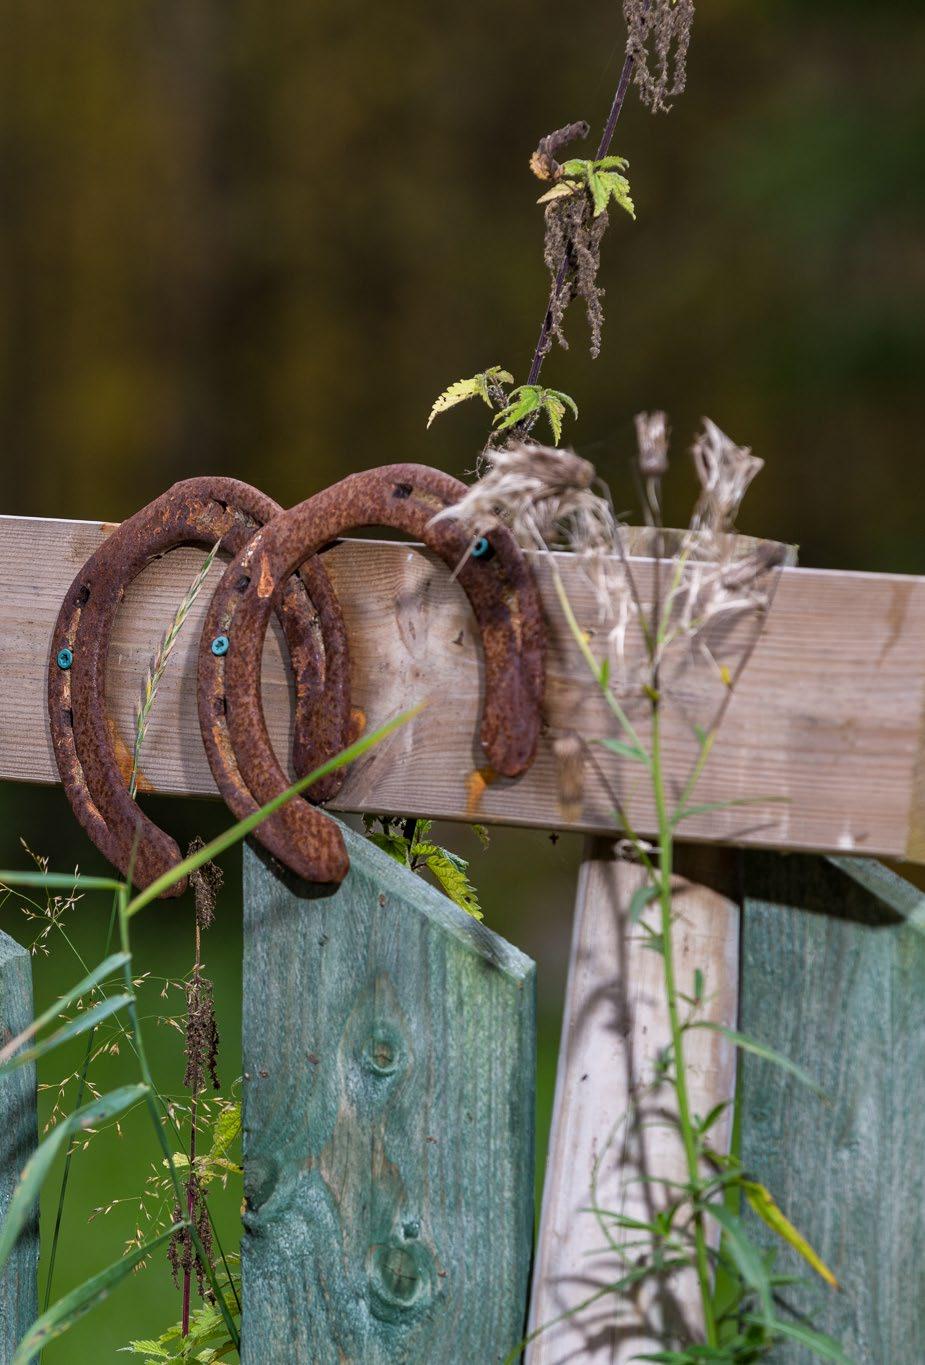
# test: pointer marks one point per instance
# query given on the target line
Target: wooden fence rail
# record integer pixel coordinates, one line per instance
(389, 1039)
(827, 720)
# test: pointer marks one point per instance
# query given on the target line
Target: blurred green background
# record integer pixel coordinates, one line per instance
(258, 240)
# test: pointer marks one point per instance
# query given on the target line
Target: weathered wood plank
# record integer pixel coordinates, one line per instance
(18, 1137)
(834, 977)
(606, 1133)
(388, 1127)
(828, 715)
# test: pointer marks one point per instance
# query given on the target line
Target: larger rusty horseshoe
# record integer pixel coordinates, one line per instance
(499, 586)
(195, 512)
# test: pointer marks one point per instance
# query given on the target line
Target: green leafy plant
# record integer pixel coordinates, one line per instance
(60, 1316)
(487, 385)
(602, 180)
(698, 1224)
(407, 842)
(528, 402)
(205, 1339)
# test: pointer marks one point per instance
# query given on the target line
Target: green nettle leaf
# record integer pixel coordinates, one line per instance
(614, 188)
(85, 1021)
(528, 399)
(450, 871)
(524, 400)
(225, 1129)
(39, 1164)
(206, 1341)
(555, 411)
(602, 179)
(392, 844)
(73, 1306)
(479, 386)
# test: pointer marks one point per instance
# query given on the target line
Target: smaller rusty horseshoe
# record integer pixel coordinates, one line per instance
(501, 591)
(194, 512)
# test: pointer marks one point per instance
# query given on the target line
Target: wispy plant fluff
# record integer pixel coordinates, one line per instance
(553, 499)
(544, 495)
(659, 35)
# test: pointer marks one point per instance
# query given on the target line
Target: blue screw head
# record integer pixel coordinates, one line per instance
(480, 548)
(220, 645)
(65, 658)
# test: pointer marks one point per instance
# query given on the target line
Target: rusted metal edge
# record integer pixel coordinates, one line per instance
(194, 512)
(500, 589)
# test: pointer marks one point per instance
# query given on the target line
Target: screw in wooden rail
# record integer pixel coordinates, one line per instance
(194, 512)
(501, 591)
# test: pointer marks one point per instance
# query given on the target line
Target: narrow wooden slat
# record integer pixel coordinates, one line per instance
(834, 977)
(827, 718)
(606, 1132)
(389, 1055)
(18, 1137)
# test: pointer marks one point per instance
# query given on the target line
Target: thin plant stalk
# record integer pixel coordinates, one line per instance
(147, 1077)
(159, 664)
(603, 148)
(65, 1175)
(685, 1126)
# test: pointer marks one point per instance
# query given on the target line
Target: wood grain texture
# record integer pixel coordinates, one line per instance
(834, 977)
(827, 719)
(389, 1057)
(607, 1133)
(18, 1138)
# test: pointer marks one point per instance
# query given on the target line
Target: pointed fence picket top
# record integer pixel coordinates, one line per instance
(833, 975)
(18, 1136)
(389, 1059)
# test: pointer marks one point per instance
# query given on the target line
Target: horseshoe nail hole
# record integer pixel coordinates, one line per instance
(402, 490)
(243, 583)
(69, 717)
(221, 706)
(83, 595)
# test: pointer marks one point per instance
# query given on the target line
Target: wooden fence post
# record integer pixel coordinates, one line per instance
(18, 1136)
(613, 1027)
(833, 975)
(389, 1058)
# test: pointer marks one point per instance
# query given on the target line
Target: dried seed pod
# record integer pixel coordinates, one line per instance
(574, 235)
(652, 440)
(543, 162)
(659, 35)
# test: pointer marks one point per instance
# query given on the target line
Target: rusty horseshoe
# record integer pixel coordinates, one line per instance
(497, 581)
(194, 512)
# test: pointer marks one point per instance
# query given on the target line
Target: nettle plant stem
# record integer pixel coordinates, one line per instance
(616, 108)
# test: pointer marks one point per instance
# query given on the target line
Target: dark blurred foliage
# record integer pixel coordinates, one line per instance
(260, 239)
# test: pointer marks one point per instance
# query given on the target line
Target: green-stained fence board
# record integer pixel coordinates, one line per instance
(18, 1136)
(389, 1058)
(833, 975)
